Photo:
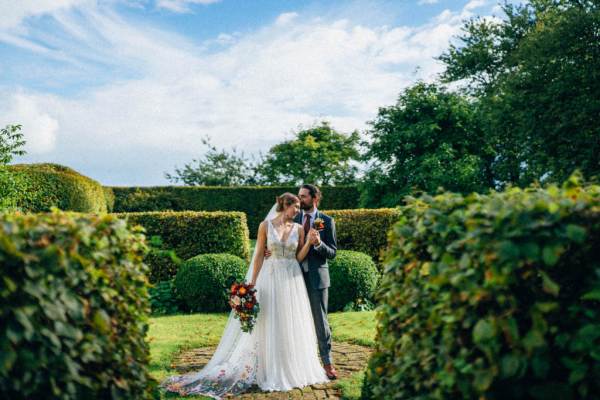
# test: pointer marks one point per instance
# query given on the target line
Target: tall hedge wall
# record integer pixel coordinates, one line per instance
(38, 187)
(73, 308)
(255, 201)
(492, 297)
(364, 230)
(190, 233)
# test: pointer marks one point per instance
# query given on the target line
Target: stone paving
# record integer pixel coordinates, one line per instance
(348, 359)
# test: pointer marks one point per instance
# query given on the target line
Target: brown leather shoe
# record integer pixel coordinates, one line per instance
(330, 371)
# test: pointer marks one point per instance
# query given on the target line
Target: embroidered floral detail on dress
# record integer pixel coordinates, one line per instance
(233, 383)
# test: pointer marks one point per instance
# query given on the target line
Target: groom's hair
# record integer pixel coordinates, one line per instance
(314, 191)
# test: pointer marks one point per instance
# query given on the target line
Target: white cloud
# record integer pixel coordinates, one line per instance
(473, 4)
(248, 93)
(14, 11)
(497, 9)
(40, 128)
(285, 18)
(181, 6)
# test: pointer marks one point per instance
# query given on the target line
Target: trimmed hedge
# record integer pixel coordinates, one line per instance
(492, 296)
(43, 186)
(109, 198)
(255, 201)
(202, 280)
(73, 308)
(162, 264)
(10, 187)
(364, 230)
(354, 276)
(190, 233)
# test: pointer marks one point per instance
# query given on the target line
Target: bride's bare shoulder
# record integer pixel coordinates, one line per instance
(262, 227)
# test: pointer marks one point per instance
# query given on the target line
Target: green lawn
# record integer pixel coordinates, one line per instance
(171, 334)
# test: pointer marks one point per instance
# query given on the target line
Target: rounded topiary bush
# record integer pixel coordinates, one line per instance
(492, 297)
(201, 281)
(43, 186)
(353, 276)
(73, 308)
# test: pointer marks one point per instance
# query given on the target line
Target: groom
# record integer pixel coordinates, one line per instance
(315, 268)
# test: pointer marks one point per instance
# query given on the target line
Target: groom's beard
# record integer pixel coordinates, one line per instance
(306, 207)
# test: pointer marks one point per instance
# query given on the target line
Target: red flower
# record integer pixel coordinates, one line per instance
(244, 304)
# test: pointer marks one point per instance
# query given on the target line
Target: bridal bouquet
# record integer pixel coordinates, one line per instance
(242, 300)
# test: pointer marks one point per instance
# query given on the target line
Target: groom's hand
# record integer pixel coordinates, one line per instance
(314, 237)
(267, 253)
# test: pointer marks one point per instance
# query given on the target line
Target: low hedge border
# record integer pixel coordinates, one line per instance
(190, 233)
(364, 230)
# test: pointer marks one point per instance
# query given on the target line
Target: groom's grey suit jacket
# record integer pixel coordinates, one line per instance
(318, 269)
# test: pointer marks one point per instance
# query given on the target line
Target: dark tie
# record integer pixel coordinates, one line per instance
(306, 224)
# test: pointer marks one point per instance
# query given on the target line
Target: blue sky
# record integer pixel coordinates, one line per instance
(124, 90)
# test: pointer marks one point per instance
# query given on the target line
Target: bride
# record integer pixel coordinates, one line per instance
(281, 351)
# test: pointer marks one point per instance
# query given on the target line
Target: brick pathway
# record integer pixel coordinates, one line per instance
(348, 359)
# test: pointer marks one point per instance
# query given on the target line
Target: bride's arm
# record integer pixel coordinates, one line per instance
(303, 248)
(261, 241)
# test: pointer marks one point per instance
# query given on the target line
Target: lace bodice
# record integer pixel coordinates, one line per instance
(281, 249)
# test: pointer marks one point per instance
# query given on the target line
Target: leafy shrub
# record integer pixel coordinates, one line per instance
(109, 198)
(43, 186)
(10, 187)
(202, 280)
(364, 230)
(163, 299)
(73, 308)
(255, 201)
(190, 233)
(163, 264)
(353, 279)
(492, 296)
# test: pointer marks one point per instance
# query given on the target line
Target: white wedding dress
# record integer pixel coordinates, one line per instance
(281, 353)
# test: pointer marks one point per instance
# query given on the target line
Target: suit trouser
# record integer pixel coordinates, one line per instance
(318, 305)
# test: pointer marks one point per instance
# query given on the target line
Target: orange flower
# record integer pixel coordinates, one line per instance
(242, 291)
(319, 224)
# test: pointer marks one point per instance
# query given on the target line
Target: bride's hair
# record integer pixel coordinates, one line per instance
(286, 200)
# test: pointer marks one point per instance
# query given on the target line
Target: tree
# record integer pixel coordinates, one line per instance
(217, 168)
(11, 139)
(430, 138)
(536, 75)
(318, 155)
